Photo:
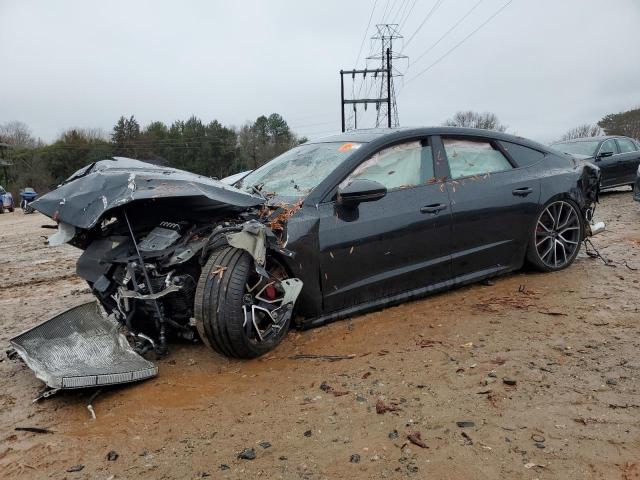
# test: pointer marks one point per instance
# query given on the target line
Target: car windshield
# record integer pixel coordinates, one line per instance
(588, 147)
(298, 171)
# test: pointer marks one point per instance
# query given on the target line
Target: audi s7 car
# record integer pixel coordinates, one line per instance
(330, 229)
(617, 157)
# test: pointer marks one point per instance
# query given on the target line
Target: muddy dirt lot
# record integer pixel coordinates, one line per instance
(544, 368)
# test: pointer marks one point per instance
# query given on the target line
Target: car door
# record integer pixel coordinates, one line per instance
(607, 159)
(494, 203)
(628, 160)
(395, 244)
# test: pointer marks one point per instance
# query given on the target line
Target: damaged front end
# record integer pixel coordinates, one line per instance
(146, 233)
(586, 194)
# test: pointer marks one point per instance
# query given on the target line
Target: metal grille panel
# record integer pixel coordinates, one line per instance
(81, 348)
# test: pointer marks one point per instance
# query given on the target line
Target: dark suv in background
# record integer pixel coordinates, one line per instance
(618, 157)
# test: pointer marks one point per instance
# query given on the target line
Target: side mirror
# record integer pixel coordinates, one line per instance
(361, 190)
(604, 154)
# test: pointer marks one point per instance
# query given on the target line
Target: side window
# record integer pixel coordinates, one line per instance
(523, 156)
(400, 166)
(626, 145)
(609, 146)
(468, 157)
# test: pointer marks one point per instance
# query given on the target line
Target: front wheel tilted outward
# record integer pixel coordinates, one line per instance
(240, 313)
(556, 236)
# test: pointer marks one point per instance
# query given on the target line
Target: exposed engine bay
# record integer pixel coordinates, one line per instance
(147, 280)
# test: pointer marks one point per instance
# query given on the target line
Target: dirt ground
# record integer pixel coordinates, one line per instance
(568, 341)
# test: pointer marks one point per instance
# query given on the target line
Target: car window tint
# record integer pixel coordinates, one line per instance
(395, 167)
(626, 145)
(473, 157)
(523, 156)
(609, 146)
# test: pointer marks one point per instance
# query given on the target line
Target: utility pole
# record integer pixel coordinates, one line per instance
(386, 106)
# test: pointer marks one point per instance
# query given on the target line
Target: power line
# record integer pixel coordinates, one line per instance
(406, 16)
(384, 13)
(446, 33)
(402, 6)
(431, 12)
(364, 37)
(460, 42)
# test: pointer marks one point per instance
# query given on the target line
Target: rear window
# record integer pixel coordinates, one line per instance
(587, 147)
(626, 145)
(523, 156)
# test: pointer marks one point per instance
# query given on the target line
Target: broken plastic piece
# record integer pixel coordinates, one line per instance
(64, 233)
(252, 239)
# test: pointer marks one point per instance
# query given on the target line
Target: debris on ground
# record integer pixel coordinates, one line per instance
(509, 381)
(325, 387)
(90, 403)
(467, 438)
(247, 454)
(355, 458)
(465, 424)
(265, 445)
(537, 438)
(33, 430)
(415, 437)
(330, 358)
(553, 313)
(75, 468)
(382, 407)
(112, 456)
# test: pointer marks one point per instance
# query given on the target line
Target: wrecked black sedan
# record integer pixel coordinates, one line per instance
(330, 229)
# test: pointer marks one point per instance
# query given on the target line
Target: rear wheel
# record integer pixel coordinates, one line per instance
(556, 236)
(237, 310)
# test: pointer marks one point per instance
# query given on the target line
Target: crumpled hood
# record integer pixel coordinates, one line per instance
(107, 184)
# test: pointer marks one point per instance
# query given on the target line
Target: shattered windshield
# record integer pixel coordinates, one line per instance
(298, 171)
(581, 148)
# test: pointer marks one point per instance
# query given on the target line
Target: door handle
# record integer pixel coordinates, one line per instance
(434, 208)
(522, 192)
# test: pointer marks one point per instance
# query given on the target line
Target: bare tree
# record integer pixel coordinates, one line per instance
(581, 131)
(87, 135)
(471, 119)
(17, 134)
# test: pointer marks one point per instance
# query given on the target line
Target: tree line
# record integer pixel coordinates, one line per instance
(210, 149)
(626, 124)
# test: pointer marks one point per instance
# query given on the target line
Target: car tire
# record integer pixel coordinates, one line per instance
(219, 304)
(544, 236)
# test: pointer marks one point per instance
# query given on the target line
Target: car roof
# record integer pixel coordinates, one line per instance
(372, 134)
(599, 138)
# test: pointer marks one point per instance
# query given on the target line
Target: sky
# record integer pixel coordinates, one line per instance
(543, 66)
